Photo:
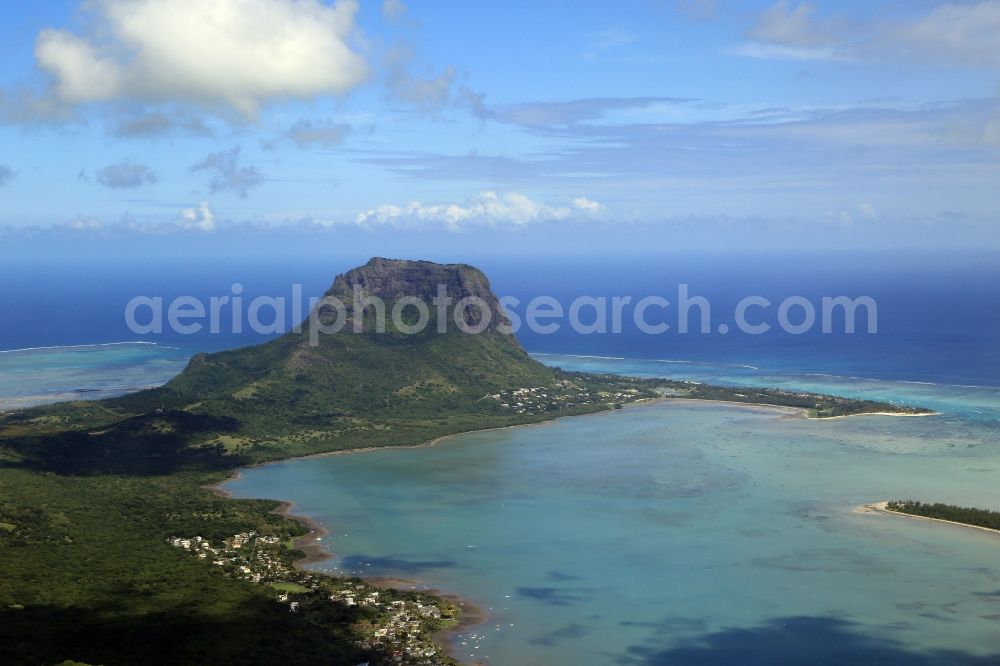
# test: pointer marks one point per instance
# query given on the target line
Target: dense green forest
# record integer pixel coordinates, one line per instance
(957, 514)
(86, 574)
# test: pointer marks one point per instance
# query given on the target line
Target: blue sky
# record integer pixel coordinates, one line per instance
(596, 126)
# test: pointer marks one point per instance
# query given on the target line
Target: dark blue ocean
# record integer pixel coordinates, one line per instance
(938, 317)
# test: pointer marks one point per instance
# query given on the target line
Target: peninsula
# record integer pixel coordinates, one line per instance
(113, 551)
(982, 519)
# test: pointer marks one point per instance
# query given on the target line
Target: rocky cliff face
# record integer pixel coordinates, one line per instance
(394, 279)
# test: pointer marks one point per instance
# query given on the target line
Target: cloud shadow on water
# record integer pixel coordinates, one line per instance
(557, 576)
(817, 641)
(568, 632)
(553, 596)
(395, 564)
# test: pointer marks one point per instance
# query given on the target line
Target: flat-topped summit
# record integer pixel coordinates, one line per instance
(393, 279)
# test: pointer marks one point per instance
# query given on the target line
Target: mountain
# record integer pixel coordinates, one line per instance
(414, 363)
(353, 374)
(369, 367)
(312, 379)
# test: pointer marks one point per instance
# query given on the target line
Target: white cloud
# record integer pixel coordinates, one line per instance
(542, 115)
(958, 33)
(967, 33)
(238, 53)
(426, 93)
(80, 223)
(326, 133)
(991, 133)
(487, 209)
(588, 205)
(606, 40)
(790, 26)
(867, 210)
(126, 175)
(701, 10)
(200, 218)
(767, 51)
(393, 9)
(197, 219)
(860, 212)
(6, 174)
(27, 105)
(229, 175)
(150, 124)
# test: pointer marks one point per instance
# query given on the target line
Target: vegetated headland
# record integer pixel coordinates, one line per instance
(983, 519)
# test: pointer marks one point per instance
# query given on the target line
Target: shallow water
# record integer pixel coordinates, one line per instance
(680, 532)
(668, 533)
(40, 375)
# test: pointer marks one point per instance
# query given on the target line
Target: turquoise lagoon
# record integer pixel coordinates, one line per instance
(40, 375)
(676, 533)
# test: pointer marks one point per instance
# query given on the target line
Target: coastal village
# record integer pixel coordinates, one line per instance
(564, 394)
(393, 627)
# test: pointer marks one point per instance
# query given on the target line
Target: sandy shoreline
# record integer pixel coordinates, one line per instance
(883, 507)
(792, 412)
(851, 416)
